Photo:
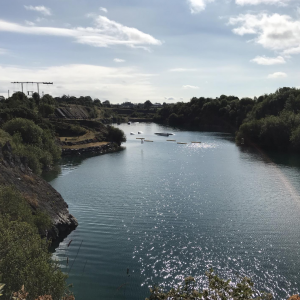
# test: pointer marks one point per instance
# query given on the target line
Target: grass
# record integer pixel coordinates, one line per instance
(89, 135)
(85, 145)
(29, 179)
(32, 200)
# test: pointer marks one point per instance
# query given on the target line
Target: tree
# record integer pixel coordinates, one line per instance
(147, 104)
(97, 102)
(36, 97)
(29, 131)
(46, 109)
(106, 103)
(115, 135)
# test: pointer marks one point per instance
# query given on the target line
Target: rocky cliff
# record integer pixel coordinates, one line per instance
(14, 171)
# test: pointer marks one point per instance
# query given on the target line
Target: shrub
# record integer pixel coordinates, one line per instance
(115, 135)
(65, 129)
(295, 139)
(29, 131)
(24, 257)
(218, 289)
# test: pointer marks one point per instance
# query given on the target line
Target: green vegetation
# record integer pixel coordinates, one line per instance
(24, 256)
(31, 128)
(270, 121)
(217, 289)
(67, 129)
(115, 135)
(31, 141)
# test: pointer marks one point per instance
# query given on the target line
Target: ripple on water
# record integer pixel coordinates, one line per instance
(166, 211)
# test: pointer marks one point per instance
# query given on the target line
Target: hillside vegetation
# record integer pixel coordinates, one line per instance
(271, 121)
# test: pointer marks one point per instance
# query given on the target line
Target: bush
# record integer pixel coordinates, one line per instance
(24, 257)
(25, 260)
(29, 131)
(65, 129)
(16, 207)
(31, 141)
(46, 109)
(295, 139)
(218, 289)
(115, 135)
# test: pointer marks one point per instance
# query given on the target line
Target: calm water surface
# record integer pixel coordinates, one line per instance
(165, 211)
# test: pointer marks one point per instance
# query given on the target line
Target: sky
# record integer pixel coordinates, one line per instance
(157, 50)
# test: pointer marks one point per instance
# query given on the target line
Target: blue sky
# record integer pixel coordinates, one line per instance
(162, 50)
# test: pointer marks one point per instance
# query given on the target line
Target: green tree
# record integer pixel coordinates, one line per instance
(46, 109)
(29, 131)
(115, 135)
(147, 104)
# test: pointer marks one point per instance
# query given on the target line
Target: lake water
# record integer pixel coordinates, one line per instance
(162, 211)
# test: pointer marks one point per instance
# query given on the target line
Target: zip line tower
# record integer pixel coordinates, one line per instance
(37, 83)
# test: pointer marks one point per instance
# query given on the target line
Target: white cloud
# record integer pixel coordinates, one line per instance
(275, 32)
(295, 50)
(182, 70)
(105, 33)
(119, 60)
(97, 81)
(103, 9)
(257, 2)
(41, 9)
(29, 23)
(267, 61)
(197, 6)
(190, 87)
(277, 75)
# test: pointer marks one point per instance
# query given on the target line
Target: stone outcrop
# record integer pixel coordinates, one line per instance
(96, 150)
(295, 297)
(72, 112)
(39, 194)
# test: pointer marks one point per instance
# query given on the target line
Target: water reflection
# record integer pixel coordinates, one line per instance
(165, 211)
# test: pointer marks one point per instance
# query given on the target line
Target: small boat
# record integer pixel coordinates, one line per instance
(164, 133)
(132, 133)
(140, 132)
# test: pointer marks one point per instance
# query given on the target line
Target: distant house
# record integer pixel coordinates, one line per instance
(127, 105)
(157, 105)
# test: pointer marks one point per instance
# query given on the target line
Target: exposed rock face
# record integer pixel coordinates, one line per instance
(295, 297)
(14, 171)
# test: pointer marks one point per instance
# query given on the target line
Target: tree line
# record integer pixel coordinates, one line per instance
(270, 121)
